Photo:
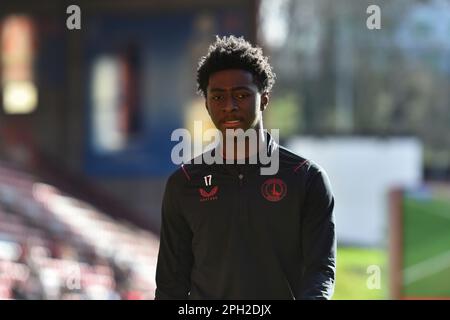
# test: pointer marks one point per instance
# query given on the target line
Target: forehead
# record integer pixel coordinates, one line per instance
(230, 78)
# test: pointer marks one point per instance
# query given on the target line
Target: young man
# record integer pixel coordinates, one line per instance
(230, 232)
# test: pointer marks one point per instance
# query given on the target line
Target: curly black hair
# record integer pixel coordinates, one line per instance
(235, 53)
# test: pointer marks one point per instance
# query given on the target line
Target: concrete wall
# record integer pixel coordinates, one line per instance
(362, 170)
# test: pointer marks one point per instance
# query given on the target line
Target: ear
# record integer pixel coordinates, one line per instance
(264, 101)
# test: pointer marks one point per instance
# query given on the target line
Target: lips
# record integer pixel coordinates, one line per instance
(231, 123)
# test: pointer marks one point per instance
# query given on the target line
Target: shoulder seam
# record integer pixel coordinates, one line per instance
(300, 165)
(188, 177)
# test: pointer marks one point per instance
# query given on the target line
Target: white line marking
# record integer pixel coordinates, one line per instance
(441, 214)
(426, 268)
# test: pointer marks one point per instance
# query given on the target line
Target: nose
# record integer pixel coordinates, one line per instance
(230, 104)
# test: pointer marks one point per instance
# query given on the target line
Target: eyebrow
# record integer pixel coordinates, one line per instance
(232, 89)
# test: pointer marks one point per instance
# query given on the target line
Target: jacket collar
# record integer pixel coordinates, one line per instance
(269, 147)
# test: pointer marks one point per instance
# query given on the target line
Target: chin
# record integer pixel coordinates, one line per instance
(233, 129)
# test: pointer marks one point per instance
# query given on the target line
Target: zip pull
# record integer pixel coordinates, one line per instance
(240, 176)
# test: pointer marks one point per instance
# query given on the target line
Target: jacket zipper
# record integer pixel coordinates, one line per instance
(241, 214)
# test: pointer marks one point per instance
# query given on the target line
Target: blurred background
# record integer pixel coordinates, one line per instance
(86, 117)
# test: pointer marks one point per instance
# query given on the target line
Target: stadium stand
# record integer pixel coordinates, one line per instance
(54, 246)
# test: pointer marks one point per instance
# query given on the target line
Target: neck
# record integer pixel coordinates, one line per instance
(243, 147)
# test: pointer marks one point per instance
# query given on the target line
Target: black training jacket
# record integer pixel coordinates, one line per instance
(241, 235)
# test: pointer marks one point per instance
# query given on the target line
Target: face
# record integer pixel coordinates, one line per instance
(234, 101)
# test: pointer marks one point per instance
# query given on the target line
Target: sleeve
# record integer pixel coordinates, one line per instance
(173, 269)
(318, 240)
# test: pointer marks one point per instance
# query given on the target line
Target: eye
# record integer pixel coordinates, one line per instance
(242, 95)
(216, 97)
